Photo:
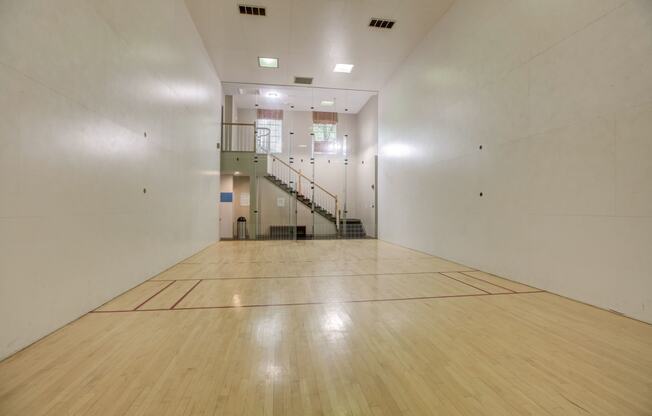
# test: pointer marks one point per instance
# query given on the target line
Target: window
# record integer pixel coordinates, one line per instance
(325, 138)
(324, 129)
(270, 131)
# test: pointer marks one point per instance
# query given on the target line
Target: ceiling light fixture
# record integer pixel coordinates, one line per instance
(272, 94)
(267, 62)
(347, 68)
(327, 103)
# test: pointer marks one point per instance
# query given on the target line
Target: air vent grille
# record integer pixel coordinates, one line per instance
(248, 91)
(382, 23)
(303, 80)
(251, 10)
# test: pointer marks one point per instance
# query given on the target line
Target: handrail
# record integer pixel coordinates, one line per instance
(337, 215)
(241, 139)
(239, 124)
(323, 199)
(274, 158)
(237, 137)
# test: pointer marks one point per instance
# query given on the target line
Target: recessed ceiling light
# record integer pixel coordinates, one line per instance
(267, 62)
(303, 145)
(327, 103)
(236, 173)
(343, 68)
(272, 94)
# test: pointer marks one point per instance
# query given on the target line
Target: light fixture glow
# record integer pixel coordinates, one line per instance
(397, 150)
(343, 68)
(327, 103)
(236, 173)
(267, 62)
(272, 94)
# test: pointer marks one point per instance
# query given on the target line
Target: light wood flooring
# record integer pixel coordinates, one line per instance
(358, 327)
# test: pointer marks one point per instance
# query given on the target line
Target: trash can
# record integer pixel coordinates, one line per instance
(241, 229)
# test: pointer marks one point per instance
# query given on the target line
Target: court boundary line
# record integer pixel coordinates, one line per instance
(313, 261)
(500, 277)
(199, 280)
(302, 277)
(154, 295)
(482, 280)
(463, 282)
(126, 291)
(264, 305)
(184, 295)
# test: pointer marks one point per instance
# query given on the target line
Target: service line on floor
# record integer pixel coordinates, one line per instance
(155, 294)
(154, 279)
(319, 303)
(184, 295)
(482, 280)
(463, 282)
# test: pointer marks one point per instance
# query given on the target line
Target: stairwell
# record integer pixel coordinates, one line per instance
(247, 152)
(348, 228)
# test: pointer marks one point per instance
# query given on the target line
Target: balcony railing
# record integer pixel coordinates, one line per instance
(245, 137)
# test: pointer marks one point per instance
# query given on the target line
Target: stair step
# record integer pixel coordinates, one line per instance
(301, 198)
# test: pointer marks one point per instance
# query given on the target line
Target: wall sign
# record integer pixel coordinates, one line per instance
(244, 199)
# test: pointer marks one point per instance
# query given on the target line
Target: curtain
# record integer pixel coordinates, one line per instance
(321, 117)
(270, 114)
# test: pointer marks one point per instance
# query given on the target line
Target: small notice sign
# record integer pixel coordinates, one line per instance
(244, 199)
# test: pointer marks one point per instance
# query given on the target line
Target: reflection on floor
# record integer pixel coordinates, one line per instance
(357, 327)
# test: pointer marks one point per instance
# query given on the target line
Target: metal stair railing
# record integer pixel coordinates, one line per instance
(245, 137)
(313, 194)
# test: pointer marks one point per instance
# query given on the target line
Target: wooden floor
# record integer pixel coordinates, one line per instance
(356, 327)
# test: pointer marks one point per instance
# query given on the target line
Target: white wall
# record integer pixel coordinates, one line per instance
(364, 165)
(226, 208)
(81, 81)
(559, 94)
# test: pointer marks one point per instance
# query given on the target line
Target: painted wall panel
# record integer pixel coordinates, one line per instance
(544, 108)
(109, 117)
(363, 163)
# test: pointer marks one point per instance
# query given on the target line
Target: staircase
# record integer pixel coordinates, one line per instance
(352, 228)
(305, 200)
(325, 204)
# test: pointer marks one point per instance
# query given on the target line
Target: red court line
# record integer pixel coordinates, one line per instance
(462, 281)
(151, 297)
(184, 295)
(324, 303)
(314, 275)
(482, 280)
(117, 296)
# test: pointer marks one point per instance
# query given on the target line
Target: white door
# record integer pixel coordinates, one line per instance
(226, 218)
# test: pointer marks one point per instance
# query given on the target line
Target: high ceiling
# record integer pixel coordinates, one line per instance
(310, 36)
(297, 98)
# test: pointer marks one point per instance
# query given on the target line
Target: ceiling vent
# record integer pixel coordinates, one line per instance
(303, 80)
(248, 91)
(381, 23)
(251, 10)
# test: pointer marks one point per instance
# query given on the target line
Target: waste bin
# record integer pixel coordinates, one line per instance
(241, 229)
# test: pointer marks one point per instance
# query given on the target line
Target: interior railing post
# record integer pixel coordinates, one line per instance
(346, 162)
(312, 184)
(294, 178)
(255, 141)
(254, 184)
